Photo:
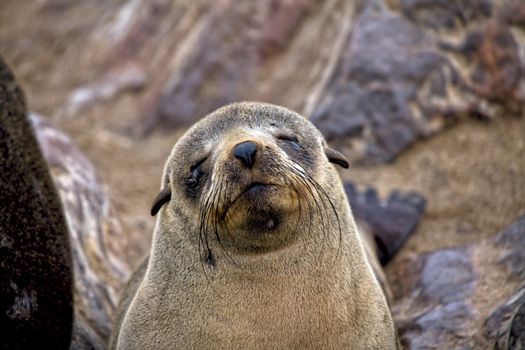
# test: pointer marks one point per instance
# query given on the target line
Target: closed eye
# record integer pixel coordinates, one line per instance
(288, 141)
(287, 137)
(197, 164)
(194, 182)
(196, 172)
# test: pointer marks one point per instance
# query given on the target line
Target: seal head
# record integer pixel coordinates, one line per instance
(247, 177)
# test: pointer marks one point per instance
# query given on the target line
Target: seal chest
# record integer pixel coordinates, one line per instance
(255, 246)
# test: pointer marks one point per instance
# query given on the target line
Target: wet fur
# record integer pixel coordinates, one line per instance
(220, 276)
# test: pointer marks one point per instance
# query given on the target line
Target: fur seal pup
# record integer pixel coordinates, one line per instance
(36, 277)
(255, 246)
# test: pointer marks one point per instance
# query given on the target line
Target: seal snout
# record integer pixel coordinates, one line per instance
(245, 152)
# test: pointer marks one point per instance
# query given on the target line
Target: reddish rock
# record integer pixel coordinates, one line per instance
(513, 12)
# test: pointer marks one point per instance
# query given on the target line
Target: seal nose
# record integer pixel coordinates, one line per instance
(245, 152)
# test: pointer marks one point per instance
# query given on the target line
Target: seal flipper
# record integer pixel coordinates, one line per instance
(336, 157)
(391, 221)
(162, 198)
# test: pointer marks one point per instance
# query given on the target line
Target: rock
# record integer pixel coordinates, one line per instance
(227, 54)
(445, 15)
(467, 297)
(121, 79)
(513, 13)
(510, 240)
(375, 77)
(516, 331)
(506, 324)
(36, 299)
(197, 56)
(393, 76)
(99, 245)
(496, 69)
(397, 83)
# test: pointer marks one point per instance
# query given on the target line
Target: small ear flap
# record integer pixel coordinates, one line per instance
(336, 157)
(162, 198)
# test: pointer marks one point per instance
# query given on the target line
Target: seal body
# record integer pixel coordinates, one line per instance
(36, 278)
(255, 246)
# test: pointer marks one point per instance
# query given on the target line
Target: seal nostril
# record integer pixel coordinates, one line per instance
(245, 152)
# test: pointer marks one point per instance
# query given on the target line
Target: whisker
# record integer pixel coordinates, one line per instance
(216, 216)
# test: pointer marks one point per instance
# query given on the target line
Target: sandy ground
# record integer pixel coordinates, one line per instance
(472, 174)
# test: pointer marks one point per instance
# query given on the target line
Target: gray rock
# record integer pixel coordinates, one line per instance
(443, 298)
(506, 324)
(399, 78)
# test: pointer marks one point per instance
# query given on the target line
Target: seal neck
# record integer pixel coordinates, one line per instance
(316, 251)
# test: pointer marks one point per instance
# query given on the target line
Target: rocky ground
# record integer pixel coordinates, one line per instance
(422, 96)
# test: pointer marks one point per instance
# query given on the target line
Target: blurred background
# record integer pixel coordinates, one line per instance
(425, 97)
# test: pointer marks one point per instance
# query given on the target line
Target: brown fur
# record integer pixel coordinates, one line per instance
(279, 267)
(36, 298)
